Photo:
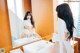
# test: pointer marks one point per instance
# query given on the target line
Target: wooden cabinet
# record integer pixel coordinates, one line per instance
(76, 47)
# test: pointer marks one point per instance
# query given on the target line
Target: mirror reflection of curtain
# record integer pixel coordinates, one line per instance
(75, 6)
(13, 19)
(15, 8)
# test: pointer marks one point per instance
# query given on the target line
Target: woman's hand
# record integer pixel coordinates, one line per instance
(23, 35)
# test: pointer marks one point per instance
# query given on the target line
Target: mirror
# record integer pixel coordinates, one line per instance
(21, 33)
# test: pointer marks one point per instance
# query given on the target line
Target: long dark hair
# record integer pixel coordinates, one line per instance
(64, 12)
(25, 18)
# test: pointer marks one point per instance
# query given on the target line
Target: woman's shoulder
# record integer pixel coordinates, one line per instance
(62, 25)
(61, 21)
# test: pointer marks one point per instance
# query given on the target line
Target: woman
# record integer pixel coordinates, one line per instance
(28, 26)
(28, 17)
(65, 28)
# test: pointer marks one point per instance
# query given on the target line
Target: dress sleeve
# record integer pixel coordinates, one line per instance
(65, 27)
(61, 29)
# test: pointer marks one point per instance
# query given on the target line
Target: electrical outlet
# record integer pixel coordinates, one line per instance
(2, 50)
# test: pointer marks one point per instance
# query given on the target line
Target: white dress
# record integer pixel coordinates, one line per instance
(29, 30)
(60, 37)
(27, 26)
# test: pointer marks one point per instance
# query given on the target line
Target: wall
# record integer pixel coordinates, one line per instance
(42, 11)
(27, 5)
(5, 35)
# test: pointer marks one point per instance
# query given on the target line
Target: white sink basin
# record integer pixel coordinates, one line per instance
(37, 46)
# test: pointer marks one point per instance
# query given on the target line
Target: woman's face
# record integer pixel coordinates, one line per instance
(29, 16)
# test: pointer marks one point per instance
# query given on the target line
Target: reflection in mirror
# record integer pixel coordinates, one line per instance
(22, 26)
